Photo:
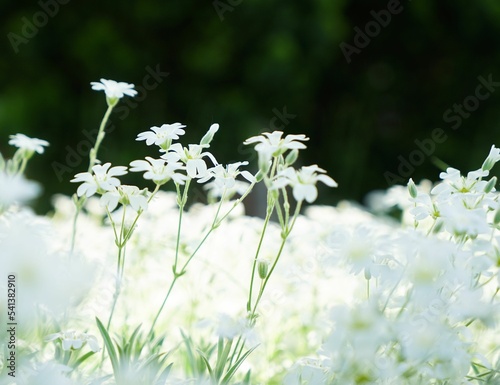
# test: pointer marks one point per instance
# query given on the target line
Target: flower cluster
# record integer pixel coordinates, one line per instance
(14, 188)
(72, 340)
(431, 290)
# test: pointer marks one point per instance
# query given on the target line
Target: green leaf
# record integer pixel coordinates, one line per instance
(222, 357)
(110, 348)
(83, 358)
(230, 373)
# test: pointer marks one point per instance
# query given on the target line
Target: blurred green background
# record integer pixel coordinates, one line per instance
(240, 63)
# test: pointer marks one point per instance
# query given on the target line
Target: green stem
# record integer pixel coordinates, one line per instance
(271, 270)
(92, 160)
(252, 278)
(119, 267)
(100, 137)
(177, 275)
(182, 203)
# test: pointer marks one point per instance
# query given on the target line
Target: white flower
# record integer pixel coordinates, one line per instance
(160, 171)
(126, 195)
(493, 157)
(192, 157)
(303, 181)
(102, 180)
(273, 144)
(454, 183)
(114, 90)
(162, 136)
(26, 143)
(72, 340)
(225, 177)
(16, 189)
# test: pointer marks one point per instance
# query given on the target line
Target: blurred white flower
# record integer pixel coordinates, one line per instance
(162, 136)
(113, 89)
(29, 144)
(160, 171)
(48, 373)
(126, 195)
(16, 189)
(303, 181)
(72, 340)
(101, 181)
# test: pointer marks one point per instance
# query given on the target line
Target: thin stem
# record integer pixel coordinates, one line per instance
(266, 280)
(100, 137)
(252, 278)
(92, 160)
(177, 275)
(119, 267)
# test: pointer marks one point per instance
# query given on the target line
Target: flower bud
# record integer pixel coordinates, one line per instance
(263, 268)
(488, 164)
(207, 138)
(291, 157)
(412, 189)
(496, 217)
(490, 185)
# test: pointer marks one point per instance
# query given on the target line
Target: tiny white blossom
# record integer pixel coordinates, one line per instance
(103, 179)
(225, 177)
(273, 144)
(113, 89)
(29, 144)
(72, 340)
(192, 157)
(303, 181)
(160, 171)
(16, 189)
(491, 159)
(162, 136)
(126, 195)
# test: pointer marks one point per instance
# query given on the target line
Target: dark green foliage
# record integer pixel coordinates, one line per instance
(240, 66)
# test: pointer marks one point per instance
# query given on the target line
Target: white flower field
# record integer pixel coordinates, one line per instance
(133, 285)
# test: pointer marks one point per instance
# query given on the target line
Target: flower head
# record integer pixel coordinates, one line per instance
(303, 181)
(102, 180)
(160, 171)
(72, 340)
(15, 188)
(28, 144)
(162, 136)
(493, 157)
(192, 157)
(114, 90)
(127, 196)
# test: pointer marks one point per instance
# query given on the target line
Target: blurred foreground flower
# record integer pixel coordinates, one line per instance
(29, 144)
(74, 340)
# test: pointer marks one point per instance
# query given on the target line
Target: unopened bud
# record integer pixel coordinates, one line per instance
(490, 185)
(207, 138)
(291, 157)
(496, 218)
(263, 268)
(412, 189)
